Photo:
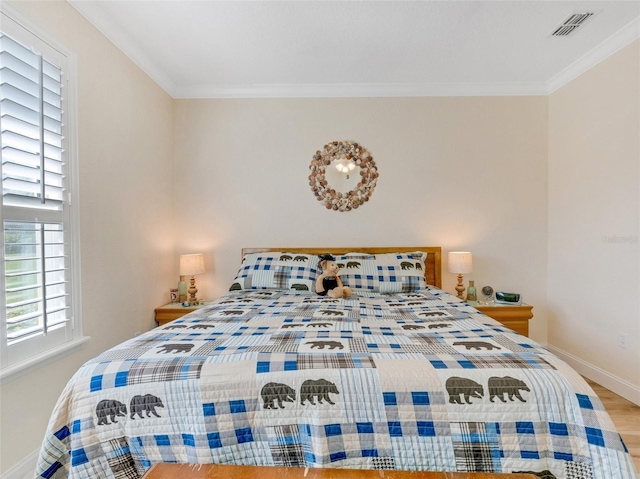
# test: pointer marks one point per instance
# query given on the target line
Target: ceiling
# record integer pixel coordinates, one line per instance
(303, 48)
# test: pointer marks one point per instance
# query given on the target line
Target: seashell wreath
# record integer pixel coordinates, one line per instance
(343, 150)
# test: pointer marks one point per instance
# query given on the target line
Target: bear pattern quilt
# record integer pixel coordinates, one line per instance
(414, 381)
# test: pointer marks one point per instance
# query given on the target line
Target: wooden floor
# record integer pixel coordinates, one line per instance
(626, 417)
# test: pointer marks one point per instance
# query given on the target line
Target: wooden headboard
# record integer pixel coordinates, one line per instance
(433, 263)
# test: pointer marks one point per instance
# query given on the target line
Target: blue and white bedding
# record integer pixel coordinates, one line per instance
(417, 381)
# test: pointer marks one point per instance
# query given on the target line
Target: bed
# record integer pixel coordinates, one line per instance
(402, 375)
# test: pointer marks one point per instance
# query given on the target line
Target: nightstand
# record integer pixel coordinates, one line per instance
(169, 312)
(514, 317)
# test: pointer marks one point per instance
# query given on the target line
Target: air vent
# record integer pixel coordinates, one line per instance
(571, 24)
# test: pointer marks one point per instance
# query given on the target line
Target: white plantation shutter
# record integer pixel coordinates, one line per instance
(32, 166)
(38, 254)
(35, 277)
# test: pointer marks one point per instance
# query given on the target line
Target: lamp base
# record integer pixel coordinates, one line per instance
(192, 290)
(460, 287)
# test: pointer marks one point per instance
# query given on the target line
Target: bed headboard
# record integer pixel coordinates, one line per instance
(433, 263)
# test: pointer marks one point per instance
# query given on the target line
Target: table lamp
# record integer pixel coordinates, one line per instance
(460, 262)
(190, 265)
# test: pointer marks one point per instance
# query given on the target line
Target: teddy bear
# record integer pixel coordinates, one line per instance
(329, 283)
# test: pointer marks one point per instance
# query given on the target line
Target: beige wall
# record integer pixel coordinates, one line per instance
(464, 173)
(125, 156)
(594, 212)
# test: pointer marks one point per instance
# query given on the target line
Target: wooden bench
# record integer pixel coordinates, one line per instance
(216, 471)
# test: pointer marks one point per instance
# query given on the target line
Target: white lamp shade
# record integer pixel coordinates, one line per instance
(191, 264)
(460, 262)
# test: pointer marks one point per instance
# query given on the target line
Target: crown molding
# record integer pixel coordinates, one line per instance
(608, 47)
(360, 90)
(99, 19)
(96, 15)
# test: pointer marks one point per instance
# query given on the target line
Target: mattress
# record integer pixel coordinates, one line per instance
(412, 381)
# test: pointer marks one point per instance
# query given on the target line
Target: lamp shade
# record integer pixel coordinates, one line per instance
(191, 264)
(460, 262)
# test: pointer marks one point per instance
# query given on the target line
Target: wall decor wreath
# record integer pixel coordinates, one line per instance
(334, 164)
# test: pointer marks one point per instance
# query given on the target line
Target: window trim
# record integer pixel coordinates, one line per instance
(28, 365)
(73, 213)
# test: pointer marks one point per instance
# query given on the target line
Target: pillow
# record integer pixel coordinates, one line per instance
(383, 273)
(401, 272)
(275, 270)
(358, 271)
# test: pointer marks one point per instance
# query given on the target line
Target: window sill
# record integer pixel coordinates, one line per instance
(12, 372)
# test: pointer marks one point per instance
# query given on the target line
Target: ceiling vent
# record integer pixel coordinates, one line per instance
(571, 24)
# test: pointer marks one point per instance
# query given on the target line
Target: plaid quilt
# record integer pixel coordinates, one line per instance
(415, 381)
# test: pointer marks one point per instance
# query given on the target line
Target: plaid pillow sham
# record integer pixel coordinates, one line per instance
(401, 272)
(277, 270)
(358, 271)
(383, 273)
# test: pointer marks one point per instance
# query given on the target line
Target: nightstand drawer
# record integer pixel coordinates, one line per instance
(515, 317)
(170, 312)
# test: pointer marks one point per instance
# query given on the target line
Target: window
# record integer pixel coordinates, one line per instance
(39, 242)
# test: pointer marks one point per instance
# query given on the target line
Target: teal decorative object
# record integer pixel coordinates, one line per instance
(182, 289)
(472, 294)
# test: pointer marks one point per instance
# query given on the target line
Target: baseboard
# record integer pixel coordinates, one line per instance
(25, 469)
(604, 378)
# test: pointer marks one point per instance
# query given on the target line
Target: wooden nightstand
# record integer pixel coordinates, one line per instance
(169, 312)
(514, 317)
